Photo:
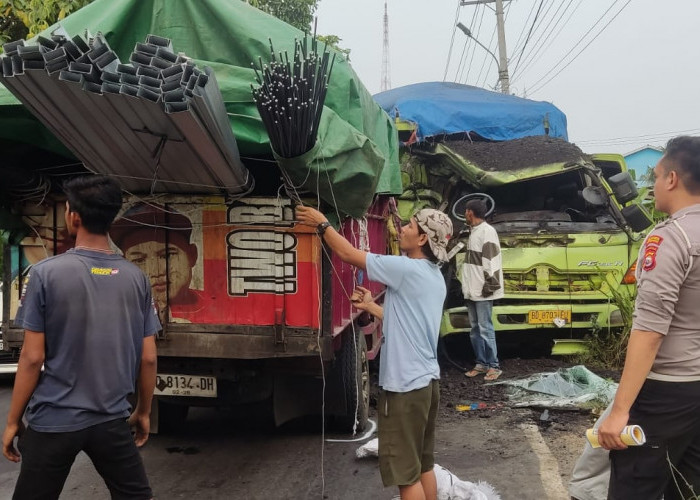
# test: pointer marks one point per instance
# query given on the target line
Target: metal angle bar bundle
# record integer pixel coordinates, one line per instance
(157, 123)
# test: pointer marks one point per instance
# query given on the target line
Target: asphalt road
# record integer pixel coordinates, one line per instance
(225, 456)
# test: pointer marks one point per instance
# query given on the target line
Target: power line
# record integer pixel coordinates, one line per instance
(531, 60)
(529, 33)
(478, 32)
(640, 138)
(522, 31)
(584, 48)
(465, 52)
(452, 41)
(546, 32)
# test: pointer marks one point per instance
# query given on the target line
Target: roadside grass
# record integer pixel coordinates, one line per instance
(607, 347)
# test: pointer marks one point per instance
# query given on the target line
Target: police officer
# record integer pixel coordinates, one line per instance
(660, 385)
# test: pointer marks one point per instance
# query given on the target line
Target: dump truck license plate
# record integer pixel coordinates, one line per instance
(546, 317)
(185, 385)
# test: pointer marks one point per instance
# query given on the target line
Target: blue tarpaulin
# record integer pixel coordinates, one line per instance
(449, 108)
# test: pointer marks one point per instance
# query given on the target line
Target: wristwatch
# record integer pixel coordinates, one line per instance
(321, 228)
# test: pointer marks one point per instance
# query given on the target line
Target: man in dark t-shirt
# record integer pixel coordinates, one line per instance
(89, 319)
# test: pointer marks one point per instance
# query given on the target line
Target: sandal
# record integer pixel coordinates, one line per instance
(477, 370)
(492, 374)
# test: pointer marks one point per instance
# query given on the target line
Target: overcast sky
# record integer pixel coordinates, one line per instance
(635, 84)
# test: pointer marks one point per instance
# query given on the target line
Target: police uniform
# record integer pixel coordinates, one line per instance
(668, 405)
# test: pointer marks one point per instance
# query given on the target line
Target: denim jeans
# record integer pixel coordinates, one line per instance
(482, 334)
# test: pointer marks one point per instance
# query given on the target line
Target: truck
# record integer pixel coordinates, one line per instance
(254, 308)
(570, 230)
(570, 224)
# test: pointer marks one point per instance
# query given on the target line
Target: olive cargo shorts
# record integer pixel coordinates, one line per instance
(407, 434)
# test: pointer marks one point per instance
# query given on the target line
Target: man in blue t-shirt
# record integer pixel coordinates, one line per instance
(409, 370)
(89, 319)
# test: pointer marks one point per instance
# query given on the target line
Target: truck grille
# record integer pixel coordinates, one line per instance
(544, 279)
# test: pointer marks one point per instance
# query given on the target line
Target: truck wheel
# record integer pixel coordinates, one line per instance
(171, 416)
(355, 378)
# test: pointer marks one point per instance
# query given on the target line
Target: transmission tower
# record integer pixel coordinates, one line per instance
(386, 78)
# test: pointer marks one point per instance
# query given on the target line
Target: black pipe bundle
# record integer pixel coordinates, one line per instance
(290, 96)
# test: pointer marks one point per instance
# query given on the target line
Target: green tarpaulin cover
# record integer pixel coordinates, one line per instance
(359, 148)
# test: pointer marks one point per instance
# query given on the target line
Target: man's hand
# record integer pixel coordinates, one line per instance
(361, 298)
(142, 426)
(310, 216)
(610, 430)
(8, 437)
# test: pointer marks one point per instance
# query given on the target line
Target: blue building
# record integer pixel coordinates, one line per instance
(642, 158)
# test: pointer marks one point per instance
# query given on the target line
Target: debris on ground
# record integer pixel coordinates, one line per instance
(564, 388)
(477, 406)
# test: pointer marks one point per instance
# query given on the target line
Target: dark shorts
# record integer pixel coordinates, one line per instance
(407, 434)
(669, 414)
(48, 456)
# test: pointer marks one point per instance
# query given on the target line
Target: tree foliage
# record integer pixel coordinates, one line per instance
(298, 13)
(26, 18)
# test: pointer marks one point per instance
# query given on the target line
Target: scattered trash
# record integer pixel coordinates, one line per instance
(449, 486)
(545, 416)
(369, 449)
(477, 406)
(565, 387)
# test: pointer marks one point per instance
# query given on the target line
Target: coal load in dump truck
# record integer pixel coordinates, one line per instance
(518, 153)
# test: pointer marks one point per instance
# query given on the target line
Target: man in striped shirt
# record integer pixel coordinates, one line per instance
(482, 283)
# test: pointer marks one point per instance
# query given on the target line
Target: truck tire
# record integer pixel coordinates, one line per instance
(171, 416)
(354, 371)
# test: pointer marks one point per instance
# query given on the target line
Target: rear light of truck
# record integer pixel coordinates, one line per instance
(629, 278)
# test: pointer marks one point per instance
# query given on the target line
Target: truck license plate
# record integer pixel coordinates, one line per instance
(548, 316)
(185, 385)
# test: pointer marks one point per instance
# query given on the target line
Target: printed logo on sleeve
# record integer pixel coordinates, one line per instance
(650, 248)
(104, 271)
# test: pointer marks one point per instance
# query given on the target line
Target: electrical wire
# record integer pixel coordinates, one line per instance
(548, 33)
(536, 55)
(642, 136)
(537, 88)
(516, 47)
(465, 53)
(529, 34)
(452, 40)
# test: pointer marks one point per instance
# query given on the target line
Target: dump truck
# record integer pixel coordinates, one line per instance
(570, 226)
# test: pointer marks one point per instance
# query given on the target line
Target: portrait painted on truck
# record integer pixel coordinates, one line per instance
(160, 241)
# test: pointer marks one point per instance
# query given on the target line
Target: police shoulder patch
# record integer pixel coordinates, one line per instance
(651, 246)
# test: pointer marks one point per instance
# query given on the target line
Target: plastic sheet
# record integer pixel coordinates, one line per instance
(449, 486)
(565, 387)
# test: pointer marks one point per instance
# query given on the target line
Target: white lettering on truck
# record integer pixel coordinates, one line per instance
(261, 262)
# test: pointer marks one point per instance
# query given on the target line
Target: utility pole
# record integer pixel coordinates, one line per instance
(503, 77)
(386, 77)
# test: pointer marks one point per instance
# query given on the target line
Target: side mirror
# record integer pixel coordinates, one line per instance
(637, 218)
(623, 187)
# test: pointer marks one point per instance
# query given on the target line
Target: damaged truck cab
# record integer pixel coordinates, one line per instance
(570, 229)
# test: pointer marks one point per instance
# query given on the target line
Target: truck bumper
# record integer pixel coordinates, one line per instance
(510, 317)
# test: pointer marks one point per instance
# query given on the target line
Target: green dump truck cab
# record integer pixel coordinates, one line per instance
(570, 226)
